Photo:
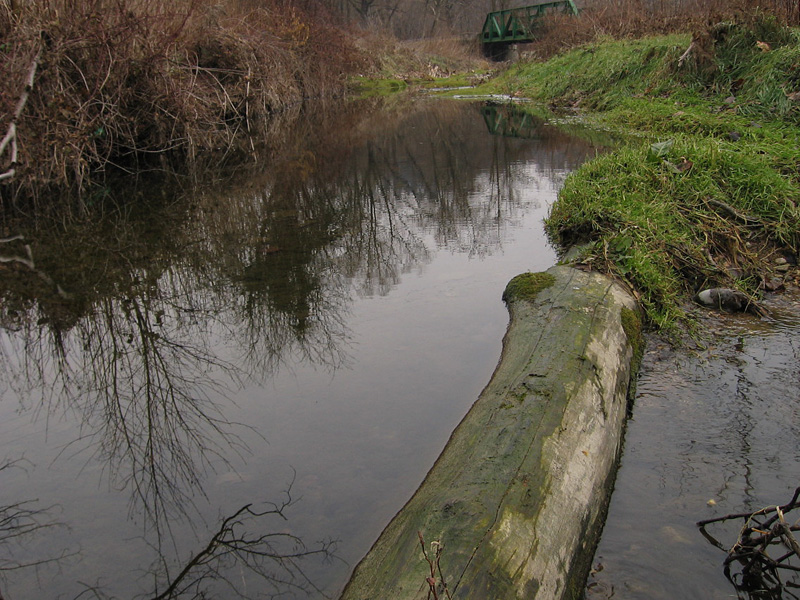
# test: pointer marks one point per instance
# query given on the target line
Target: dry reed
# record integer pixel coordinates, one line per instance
(636, 18)
(122, 81)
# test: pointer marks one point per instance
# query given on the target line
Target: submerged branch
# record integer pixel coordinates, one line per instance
(793, 503)
(762, 529)
(20, 521)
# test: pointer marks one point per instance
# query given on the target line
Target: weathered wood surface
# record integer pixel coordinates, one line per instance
(518, 495)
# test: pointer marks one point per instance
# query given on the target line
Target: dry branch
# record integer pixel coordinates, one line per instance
(435, 568)
(762, 530)
(686, 54)
(20, 522)
(264, 554)
(11, 133)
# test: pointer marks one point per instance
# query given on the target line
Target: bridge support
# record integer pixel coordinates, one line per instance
(498, 51)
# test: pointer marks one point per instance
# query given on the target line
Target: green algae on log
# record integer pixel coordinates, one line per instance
(518, 496)
(527, 286)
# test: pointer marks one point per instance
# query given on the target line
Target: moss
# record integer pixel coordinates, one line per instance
(632, 326)
(527, 286)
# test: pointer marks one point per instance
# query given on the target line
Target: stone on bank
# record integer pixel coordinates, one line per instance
(518, 496)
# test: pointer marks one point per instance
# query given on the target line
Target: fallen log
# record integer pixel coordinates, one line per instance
(515, 503)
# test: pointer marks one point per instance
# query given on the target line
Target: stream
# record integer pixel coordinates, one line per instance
(229, 381)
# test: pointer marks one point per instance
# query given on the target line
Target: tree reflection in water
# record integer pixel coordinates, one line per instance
(174, 301)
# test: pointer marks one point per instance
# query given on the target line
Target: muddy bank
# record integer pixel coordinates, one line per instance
(519, 493)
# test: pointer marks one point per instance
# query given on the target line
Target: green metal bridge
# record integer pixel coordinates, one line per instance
(518, 25)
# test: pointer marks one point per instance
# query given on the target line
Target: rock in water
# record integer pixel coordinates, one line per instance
(728, 299)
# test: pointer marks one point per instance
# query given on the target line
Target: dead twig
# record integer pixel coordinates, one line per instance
(272, 556)
(793, 503)
(21, 522)
(10, 138)
(686, 54)
(742, 218)
(435, 567)
(762, 531)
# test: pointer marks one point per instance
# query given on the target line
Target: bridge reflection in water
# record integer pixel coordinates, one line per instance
(509, 121)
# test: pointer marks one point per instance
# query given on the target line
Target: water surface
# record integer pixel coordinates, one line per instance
(715, 430)
(302, 336)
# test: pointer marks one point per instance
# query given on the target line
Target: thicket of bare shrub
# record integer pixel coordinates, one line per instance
(635, 18)
(426, 58)
(116, 81)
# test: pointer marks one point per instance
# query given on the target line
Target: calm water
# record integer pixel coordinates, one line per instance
(318, 324)
(715, 431)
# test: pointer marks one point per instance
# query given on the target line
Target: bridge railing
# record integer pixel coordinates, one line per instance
(517, 24)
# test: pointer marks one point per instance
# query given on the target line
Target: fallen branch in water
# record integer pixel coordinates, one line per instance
(22, 523)
(273, 557)
(793, 503)
(763, 531)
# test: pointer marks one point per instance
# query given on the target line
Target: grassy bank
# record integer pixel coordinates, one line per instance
(91, 84)
(705, 191)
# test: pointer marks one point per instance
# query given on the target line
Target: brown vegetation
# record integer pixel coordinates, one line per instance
(417, 19)
(117, 81)
(424, 59)
(636, 18)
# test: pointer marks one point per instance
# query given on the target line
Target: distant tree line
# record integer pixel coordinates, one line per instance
(413, 19)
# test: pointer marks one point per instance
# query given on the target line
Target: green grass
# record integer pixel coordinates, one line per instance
(705, 188)
(595, 76)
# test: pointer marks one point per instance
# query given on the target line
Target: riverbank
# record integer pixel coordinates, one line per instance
(99, 87)
(704, 192)
(94, 87)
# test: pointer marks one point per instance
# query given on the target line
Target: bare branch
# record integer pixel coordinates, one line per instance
(762, 530)
(259, 553)
(11, 133)
(20, 521)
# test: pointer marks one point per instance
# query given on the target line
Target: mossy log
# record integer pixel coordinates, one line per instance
(519, 494)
